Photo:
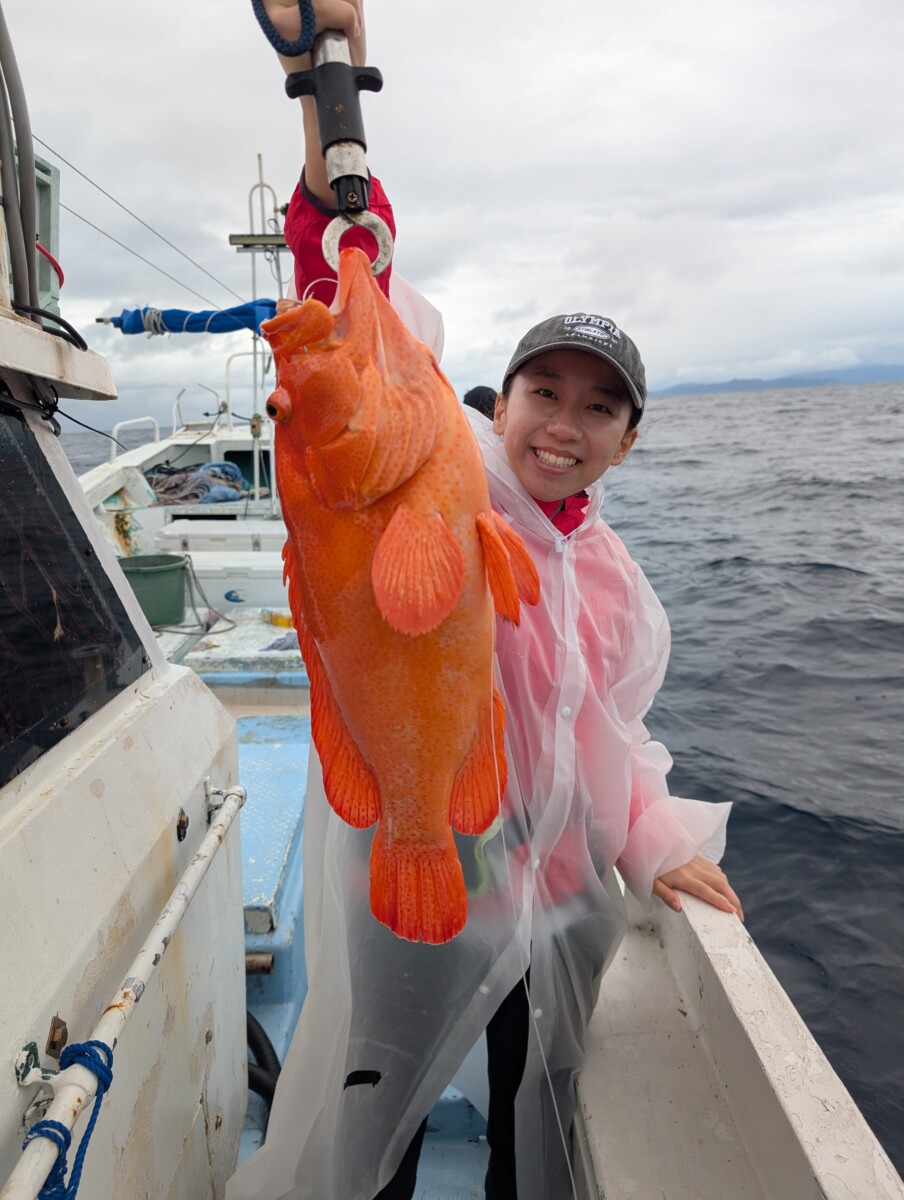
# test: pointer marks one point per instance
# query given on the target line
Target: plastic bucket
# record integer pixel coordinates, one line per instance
(158, 581)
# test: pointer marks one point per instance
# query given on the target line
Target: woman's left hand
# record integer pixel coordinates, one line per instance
(701, 878)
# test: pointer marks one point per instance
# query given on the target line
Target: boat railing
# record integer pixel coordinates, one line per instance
(179, 421)
(75, 1087)
(229, 361)
(132, 421)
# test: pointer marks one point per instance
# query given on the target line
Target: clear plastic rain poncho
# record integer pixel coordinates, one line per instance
(387, 1023)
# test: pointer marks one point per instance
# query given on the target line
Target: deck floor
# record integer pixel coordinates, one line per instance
(455, 1152)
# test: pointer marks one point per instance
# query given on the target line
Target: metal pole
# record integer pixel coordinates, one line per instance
(5, 298)
(256, 461)
(229, 360)
(75, 1087)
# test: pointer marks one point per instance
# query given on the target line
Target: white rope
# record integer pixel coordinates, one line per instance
(153, 324)
(323, 279)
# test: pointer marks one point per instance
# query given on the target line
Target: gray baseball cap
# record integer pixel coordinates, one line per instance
(585, 331)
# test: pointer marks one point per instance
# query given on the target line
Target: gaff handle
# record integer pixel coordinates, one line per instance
(335, 85)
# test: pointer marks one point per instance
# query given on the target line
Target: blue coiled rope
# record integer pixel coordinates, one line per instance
(86, 1054)
(280, 44)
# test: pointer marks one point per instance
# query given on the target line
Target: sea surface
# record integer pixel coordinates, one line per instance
(772, 526)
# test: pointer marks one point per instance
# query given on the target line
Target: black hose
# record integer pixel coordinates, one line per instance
(67, 332)
(263, 1084)
(262, 1074)
(262, 1048)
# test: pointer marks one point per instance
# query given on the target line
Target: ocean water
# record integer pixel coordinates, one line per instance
(772, 526)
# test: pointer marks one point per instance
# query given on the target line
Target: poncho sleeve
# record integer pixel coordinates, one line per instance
(664, 831)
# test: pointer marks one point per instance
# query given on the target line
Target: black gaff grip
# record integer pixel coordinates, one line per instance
(335, 86)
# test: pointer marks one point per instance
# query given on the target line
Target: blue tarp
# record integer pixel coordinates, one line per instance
(177, 320)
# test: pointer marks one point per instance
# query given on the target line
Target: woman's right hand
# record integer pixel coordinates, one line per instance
(347, 15)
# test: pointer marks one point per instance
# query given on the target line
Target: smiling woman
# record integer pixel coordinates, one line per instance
(564, 420)
(571, 400)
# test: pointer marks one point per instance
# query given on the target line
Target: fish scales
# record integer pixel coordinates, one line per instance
(396, 564)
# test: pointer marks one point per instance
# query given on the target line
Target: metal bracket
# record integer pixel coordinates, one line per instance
(216, 797)
(28, 1067)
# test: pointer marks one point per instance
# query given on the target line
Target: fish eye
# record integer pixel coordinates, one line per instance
(279, 406)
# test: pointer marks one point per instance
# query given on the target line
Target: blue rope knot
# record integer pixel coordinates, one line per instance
(55, 1185)
(280, 44)
(97, 1057)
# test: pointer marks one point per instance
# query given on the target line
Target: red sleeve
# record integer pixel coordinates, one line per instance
(306, 221)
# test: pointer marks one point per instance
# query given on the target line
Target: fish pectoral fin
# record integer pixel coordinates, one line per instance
(523, 566)
(350, 786)
(511, 572)
(417, 891)
(417, 572)
(482, 777)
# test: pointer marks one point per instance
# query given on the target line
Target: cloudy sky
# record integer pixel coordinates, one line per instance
(725, 179)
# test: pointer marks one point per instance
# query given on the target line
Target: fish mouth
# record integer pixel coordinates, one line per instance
(554, 459)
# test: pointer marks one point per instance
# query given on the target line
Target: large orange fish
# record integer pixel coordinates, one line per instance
(395, 563)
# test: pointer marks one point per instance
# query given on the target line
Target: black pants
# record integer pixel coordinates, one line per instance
(507, 1035)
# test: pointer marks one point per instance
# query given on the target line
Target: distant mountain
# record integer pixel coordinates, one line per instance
(861, 374)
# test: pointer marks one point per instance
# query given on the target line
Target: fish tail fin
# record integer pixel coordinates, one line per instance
(417, 891)
(482, 777)
(511, 573)
(418, 570)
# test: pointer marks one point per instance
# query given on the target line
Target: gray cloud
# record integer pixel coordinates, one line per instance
(723, 179)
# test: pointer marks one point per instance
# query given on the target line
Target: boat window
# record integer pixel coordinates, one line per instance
(67, 645)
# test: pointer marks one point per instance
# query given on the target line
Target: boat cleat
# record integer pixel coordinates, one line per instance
(30, 1072)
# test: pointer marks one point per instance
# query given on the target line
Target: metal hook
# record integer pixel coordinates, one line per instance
(369, 220)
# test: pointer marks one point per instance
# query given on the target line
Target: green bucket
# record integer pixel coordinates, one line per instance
(158, 581)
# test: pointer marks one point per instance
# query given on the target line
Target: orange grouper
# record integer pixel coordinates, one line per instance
(395, 563)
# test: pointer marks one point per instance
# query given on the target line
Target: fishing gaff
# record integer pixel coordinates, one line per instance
(335, 86)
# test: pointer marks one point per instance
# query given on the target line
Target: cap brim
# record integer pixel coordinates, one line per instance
(566, 344)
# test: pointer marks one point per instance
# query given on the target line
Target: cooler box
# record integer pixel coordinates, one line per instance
(247, 578)
(251, 534)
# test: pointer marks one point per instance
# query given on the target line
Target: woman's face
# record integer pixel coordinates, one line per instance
(564, 422)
